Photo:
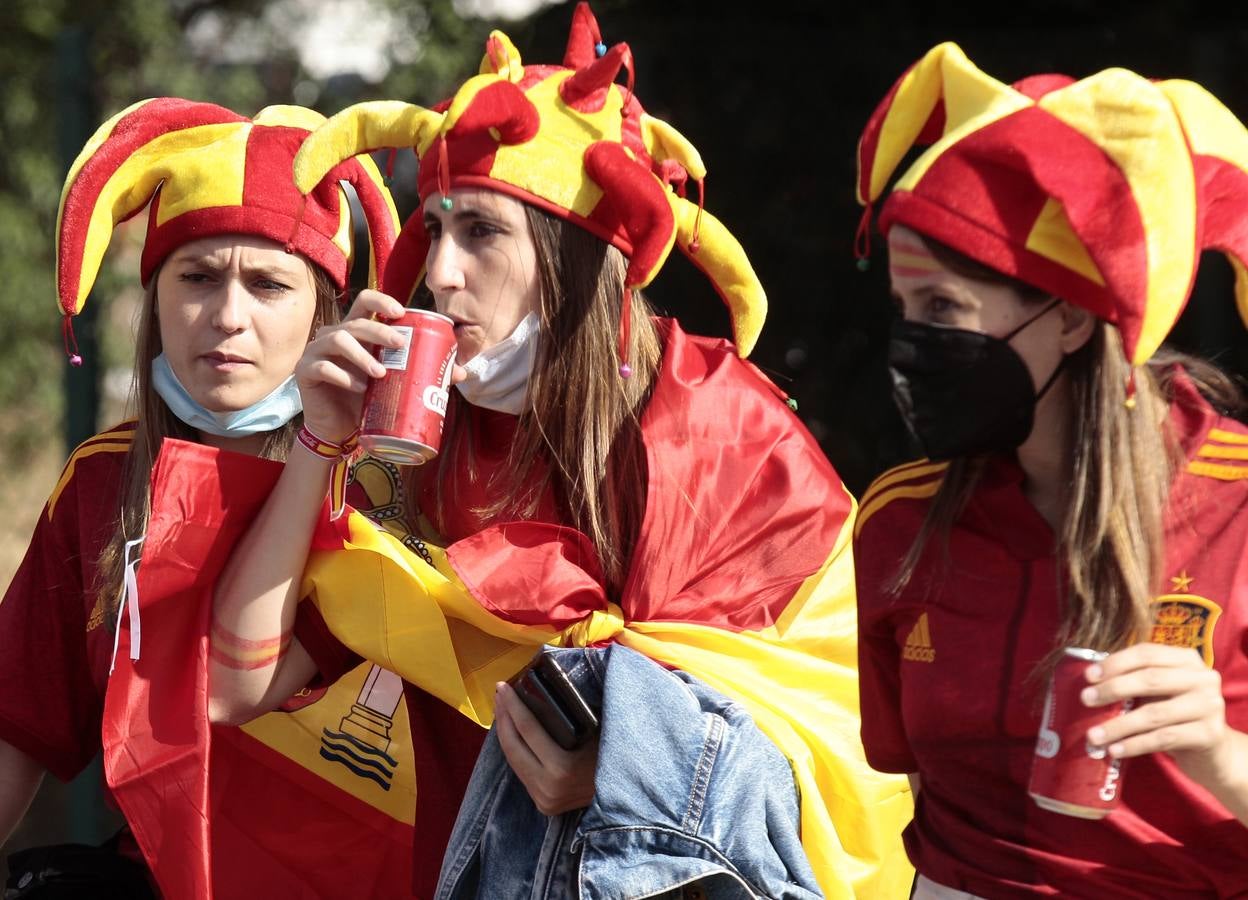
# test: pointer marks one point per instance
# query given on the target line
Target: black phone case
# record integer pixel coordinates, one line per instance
(555, 702)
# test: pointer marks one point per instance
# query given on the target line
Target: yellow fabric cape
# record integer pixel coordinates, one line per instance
(798, 678)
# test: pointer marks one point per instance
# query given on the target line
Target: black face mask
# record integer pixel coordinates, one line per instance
(962, 393)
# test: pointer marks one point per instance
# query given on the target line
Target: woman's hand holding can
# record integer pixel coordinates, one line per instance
(339, 363)
(1181, 710)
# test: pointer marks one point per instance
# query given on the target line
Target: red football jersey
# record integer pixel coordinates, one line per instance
(57, 642)
(949, 686)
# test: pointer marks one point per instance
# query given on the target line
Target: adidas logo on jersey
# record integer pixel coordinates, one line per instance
(919, 643)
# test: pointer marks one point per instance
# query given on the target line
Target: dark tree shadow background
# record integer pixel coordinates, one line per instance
(775, 96)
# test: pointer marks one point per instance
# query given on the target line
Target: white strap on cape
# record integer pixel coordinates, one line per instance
(130, 603)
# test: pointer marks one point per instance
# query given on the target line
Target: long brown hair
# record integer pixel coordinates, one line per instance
(154, 422)
(962, 474)
(1124, 457)
(579, 434)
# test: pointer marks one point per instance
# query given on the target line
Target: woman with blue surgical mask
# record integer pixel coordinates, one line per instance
(240, 270)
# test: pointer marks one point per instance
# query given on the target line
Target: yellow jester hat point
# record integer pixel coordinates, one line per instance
(1101, 191)
(567, 139)
(207, 171)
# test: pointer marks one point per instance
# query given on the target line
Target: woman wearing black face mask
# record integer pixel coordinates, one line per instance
(1082, 488)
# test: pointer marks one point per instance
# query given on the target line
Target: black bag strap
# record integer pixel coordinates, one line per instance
(65, 871)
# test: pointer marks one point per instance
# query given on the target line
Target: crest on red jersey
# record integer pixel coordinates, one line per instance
(1185, 620)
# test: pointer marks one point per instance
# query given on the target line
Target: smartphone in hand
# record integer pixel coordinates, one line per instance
(554, 700)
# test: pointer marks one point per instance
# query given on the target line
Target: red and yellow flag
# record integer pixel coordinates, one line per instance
(315, 801)
(742, 576)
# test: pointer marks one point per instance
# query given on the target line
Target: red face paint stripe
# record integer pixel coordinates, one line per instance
(904, 247)
(913, 271)
(245, 665)
(228, 638)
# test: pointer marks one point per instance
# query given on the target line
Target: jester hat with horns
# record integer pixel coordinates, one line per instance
(1101, 191)
(566, 139)
(208, 171)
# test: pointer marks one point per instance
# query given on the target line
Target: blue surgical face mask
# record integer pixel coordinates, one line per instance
(498, 378)
(281, 405)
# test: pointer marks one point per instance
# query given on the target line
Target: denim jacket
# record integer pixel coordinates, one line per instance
(691, 799)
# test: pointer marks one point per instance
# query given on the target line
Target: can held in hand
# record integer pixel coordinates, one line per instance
(1068, 774)
(405, 410)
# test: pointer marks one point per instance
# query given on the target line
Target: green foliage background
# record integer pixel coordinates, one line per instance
(773, 95)
(129, 50)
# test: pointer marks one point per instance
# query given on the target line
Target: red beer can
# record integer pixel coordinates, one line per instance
(1068, 774)
(405, 410)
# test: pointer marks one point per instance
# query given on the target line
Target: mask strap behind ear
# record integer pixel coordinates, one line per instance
(1044, 388)
(1009, 337)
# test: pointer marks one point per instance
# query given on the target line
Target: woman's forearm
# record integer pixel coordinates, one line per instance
(256, 662)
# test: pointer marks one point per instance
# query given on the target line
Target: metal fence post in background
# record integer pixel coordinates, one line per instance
(88, 815)
(75, 121)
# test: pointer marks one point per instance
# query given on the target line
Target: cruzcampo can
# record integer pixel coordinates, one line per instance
(1069, 775)
(405, 409)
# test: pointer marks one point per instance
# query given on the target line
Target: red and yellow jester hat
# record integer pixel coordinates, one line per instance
(1101, 191)
(566, 139)
(211, 171)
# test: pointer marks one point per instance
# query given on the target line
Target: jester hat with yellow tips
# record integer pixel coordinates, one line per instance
(1101, 191)
(208, 171)
(566, 139)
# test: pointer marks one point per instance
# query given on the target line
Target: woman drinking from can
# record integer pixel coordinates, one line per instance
(604, 479)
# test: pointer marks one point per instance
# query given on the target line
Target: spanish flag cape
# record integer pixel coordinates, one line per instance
(742, 576)
(317, 800)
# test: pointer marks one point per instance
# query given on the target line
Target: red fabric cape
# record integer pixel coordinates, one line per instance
(216, 812)
(742, 506)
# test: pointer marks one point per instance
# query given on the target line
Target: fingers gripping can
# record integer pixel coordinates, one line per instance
(1068, 774)
(405, 410)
